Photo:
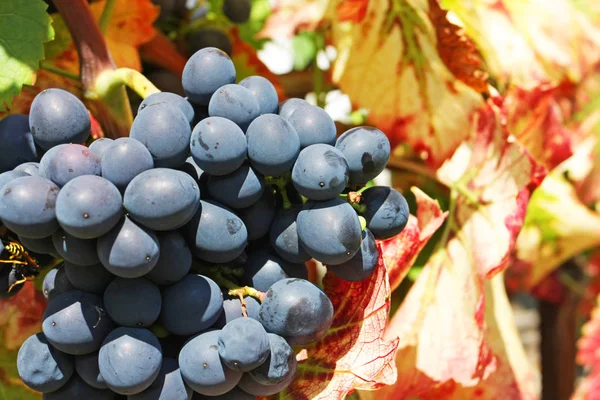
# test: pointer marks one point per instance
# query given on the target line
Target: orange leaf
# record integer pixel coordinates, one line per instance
(353, 354)
(21, 316)
(352, 10)
(401, 251)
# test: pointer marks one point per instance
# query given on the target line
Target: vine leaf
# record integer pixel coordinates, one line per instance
(389, 63)
(353, 354)
(401, 251)
(589, 357)
(24, 28)
(289, 16)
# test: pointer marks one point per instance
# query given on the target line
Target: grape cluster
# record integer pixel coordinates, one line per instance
(153, 228)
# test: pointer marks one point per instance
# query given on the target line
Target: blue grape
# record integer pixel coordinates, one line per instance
(191, 305)
(243, 344)
(100, 146)
(329, 230)
(27, 206)
(367, 151)
(17, 142)
(126, 159)
(264, 269)
(8, 176)
(202, 368)
(259, 216)
(87, 368)
(30, 168)
(65, 162)
(273, 145)
(232, 309)
(279, 366)
(206, 71)
(8, 282)
(240, 189)
(165, 131)
(235, 103)
(169, 384)
(77, 389)
(218, 146)
(88, 206)
(215, 234)
(364, 262)
(284, 236)
(130, 360)
(56, 282)
(387, 211)
(128, 250)
(249, 385)
(75, 250)
(89, 278)
(287, 108)
(264, 92)
(162, 199)
(57, 117)
(75, 322)
(320, 172)
(41, 246)
(175, 259)
(234, 394)
(132, 302)
(296, 310)
(208, 37)
(313, 125)
(238, 11)
(42, 367)
(172, 99)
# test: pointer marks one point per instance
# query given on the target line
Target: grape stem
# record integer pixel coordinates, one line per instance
(244, 312)
(216, 274)
(110, 80)
(106, 14)
(354, 198)
(280, 183)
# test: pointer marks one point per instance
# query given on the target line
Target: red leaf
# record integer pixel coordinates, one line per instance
(401, 251)
(21, 316)
(589, 356)
(353, 354)
(352, 10)
(162, 52)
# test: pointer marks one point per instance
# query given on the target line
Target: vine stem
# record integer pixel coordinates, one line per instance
(106, 14)
(111, 80)
(281, 182)
(59, 71)
(234, 290)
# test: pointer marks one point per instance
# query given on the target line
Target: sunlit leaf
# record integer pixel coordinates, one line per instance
(289, 16)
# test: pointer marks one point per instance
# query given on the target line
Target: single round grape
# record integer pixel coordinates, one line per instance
(296, 310)
(208, 37)
(42, 246)
(100, 146)
(259, 216)
(75, 322)
(130, 360)
(387, 211)
(240, 189)
(30, 168)
(171, 99)
(17, 142)
(234, 394)
(132, 302)
(128, 250)
(8, 176)
(42, 367)
(191, 305)
(313, 125)
(126, 159)
(287, 108)
(238, 11)
(218, 146)
(364, 262)
(162, 199)
(77, 389)
(27, 206)
(175, 259)
(329, 230)
(320, 172)
(249, 385)
(273, 145)
(216, 234)
(88, 206)
(264, 92)
(206, 71)
(65, 162)
(284, 236)
(165, 131)
(232, 309)
(75, 250)
(367, 151)
(89, 278)
(235, 103)
(264, 269)
(56, 282)
(169, 384)
(57, 117)
(202, 368)
(87, 368)
(279, 366)
(243, 344)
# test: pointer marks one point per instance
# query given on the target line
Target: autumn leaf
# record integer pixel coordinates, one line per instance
(289, 16)
(353, 354)
(401, 251)
(589, 357)
(21, 316)
(352, 10)
(389, 64)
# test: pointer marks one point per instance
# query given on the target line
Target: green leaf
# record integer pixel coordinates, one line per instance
(24, 28)
(62, 38)
(261, 9)
(305, 50)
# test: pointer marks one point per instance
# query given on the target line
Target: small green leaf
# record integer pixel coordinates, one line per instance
(305, 50)
(62, 38)
(24, 28)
